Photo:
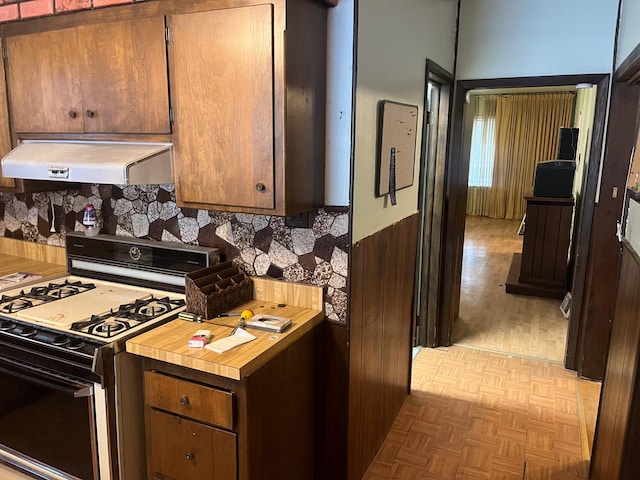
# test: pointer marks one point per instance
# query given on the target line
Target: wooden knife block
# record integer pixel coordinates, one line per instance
(217, 289)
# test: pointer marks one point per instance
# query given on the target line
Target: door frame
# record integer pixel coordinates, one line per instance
(434, 158)
(456, 201)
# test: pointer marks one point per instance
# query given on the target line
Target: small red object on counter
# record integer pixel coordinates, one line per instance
(200, 338)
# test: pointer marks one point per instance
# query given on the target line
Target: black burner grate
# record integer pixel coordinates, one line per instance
(41, 294)
(127, 316)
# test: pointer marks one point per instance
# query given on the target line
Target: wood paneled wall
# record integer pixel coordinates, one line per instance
(617, 433)
(381, 318)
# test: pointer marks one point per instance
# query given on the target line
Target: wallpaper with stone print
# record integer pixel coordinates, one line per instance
(259, 244)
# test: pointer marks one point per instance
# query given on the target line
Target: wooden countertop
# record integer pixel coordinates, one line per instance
(11, 264)
(168, 342)
(24, 256)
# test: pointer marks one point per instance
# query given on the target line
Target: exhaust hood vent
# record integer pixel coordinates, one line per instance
(116, 163)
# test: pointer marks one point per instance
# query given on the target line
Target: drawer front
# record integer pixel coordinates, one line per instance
(205, 404)
(181, 449)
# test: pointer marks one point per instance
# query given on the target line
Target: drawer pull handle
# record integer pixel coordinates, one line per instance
(184, 400)
(260, 187)
(190, 456)
(90, 113)
(72, 114)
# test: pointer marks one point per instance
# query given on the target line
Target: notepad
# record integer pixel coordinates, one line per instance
(240, 337)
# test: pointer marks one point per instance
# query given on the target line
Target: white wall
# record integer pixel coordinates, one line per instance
(340, 75)
(394, 40)
(629, 33)
(520, 38)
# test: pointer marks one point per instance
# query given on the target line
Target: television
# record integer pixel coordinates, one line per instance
(554, 179)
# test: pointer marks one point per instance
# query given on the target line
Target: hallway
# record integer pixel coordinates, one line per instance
(474, 414)
(498, 404)
(495, 320)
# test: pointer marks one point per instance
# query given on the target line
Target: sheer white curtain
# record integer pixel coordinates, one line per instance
(482, 155)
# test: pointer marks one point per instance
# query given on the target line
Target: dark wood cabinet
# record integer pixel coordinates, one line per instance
(106, 77)
(249, 108)
(541, 270)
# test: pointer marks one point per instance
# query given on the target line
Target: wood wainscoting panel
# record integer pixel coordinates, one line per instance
(381, 319)
(616, 441)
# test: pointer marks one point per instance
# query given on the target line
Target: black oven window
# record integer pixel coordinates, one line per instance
(47, 424)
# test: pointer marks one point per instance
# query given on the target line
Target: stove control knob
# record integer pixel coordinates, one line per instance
(184, 401)
(190, 456)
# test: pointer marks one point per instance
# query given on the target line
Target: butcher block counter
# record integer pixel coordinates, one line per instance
(169, 342)
(23, 256)
(250, 413)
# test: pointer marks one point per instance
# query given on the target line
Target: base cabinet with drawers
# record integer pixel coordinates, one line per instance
(198, 420)
(263, 427)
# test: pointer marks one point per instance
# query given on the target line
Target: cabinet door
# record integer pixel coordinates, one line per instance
(43, 82)
(184, 450)
(5, 137)
(221, 80)
(124, 76)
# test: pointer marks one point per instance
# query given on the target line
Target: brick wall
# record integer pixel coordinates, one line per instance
(12, 10)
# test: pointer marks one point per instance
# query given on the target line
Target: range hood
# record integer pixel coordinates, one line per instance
(117, 163)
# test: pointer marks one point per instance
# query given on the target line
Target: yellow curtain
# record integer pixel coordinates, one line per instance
(527, 132)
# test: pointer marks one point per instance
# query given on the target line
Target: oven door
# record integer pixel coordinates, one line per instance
(47, 425)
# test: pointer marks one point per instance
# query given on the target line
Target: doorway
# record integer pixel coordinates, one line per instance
(507, 133)
(455, 208)
(431, 203)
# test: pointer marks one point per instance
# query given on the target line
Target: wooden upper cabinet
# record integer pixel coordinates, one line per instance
(44, 83)
(222, 92)
(248, 94)
(99, 78)
(124, 76)
(5, 136)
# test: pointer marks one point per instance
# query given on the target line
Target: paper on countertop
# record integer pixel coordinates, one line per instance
(15, 279)
(227, 343)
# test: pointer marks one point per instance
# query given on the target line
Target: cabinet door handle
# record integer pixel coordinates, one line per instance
(190, 456)
(260, 187)
(90, 113)
(184, 400)
(73, 114)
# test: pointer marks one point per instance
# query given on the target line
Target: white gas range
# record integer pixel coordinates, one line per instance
(62, 351)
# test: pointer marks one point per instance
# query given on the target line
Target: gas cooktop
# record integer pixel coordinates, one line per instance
(76, 306)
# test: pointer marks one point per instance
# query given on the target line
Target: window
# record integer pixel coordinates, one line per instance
(482, 152)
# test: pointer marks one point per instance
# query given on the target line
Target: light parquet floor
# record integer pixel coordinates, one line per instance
(489, 317)
(474, 414)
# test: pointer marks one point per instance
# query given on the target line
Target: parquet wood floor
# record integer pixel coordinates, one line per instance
(474, 414)
(489, 317)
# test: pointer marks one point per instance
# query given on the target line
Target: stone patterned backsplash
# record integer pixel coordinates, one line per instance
(259, 244)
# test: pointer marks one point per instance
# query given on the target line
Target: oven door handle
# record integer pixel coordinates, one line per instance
(46, 378)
